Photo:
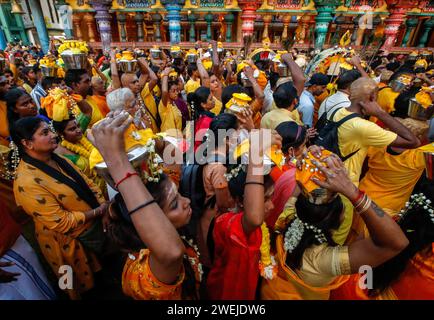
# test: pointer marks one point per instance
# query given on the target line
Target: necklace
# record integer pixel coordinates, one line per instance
(194, 259)
(143, 112)
(82, 148)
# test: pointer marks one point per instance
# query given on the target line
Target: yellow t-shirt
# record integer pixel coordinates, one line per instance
(191, 86)
(391, 178)
(149, 101)
(276, 116)
(386, 99)
(4, 125)
(171, 119)
(359, 134)
(217, 106)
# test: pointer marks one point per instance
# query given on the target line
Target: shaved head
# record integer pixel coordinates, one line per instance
(130, 80)
(362, 89)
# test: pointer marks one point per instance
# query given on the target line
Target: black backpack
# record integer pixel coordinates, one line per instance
(191, 186)
(328, 133)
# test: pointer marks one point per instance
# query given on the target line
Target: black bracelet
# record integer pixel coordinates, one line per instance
(147, 203)
(254, 182)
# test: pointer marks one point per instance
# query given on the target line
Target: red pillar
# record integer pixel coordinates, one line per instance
(248, 15)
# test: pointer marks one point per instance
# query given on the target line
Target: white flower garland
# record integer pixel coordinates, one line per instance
(418, 200)
(234, 172)
(191, 260)
(295, 232)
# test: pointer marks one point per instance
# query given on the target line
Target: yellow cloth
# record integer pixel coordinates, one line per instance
(359, 134)
(217, 106)
(191, 86)
(323, 269)
(391, 178)
(58, 214)
(276, 116)
(171, 119)
(27, 87)
(150, 104)
(132, 138)
(4, 125)
(96, 113)
(386, 99)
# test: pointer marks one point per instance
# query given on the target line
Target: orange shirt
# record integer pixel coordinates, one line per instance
(4, 124)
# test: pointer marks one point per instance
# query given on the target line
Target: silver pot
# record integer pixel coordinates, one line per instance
(48, 72)
(74, 60)
(128, 66)
(417, 111)
(191, 58)
(283, 70)
(176, 54)
(155, 54)
(429, 165)
(397, 86)
(136, 156)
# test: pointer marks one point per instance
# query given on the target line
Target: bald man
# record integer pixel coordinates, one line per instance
(356, 135)
(142, 89)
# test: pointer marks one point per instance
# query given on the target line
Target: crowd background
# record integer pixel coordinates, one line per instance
(346, 173)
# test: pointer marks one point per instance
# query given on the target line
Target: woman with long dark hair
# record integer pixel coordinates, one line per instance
(309, 262)
(64, 204)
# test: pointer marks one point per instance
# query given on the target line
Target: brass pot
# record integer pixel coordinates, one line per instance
(417, 111)
(429, 165)
(128, 66)
(136, 156)
(74, 60)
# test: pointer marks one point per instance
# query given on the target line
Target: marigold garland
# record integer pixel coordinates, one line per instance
(267, 264)
(83, 147)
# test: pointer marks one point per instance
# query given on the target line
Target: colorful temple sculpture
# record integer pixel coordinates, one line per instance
(394, 24)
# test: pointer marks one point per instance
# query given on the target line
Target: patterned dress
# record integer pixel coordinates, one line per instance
(58, 214)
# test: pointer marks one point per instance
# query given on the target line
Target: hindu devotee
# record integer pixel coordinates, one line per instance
(222, 155)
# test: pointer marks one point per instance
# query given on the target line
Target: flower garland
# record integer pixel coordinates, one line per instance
(83, 147)
(421, 201)
(234, 172)
(194, 261)
(10, 167)
(295, 232)
(267, 264)
(153, 171)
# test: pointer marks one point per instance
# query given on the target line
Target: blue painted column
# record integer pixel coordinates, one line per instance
(173, 8)
(3, 42)
(38, 20)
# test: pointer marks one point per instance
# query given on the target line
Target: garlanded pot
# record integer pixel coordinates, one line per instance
(155, 53)
(127, 63)
(74, 60)
(137, 156)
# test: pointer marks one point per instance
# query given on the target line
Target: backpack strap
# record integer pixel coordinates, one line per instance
(342, 121)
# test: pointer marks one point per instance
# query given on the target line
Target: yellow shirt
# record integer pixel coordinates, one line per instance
(4, 125)
(171, 119)
(276, 116)
(217, 106)
(391, 178)
(359, 134)
(386, 99)
(151, 106)
(191, 86)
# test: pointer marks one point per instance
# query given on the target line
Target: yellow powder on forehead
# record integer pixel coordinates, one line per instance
(362, 88)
